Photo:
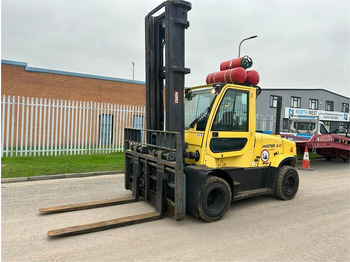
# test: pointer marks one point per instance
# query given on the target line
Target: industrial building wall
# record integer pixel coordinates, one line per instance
(264, 108)
(321, 95)
(19, 80)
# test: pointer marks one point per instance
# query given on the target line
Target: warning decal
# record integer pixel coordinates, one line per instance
(176, 97)
(265, 156)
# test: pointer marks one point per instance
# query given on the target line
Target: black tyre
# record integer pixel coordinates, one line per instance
(287, 183)
(215, 199)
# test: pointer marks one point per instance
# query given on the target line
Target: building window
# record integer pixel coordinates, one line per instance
(343, 124)
(295, 102)
(273, 101)
(313, 104)
(345, 107)
(106, 128)
(329, 106)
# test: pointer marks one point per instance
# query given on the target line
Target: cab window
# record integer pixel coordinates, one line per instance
(233, 112)
(323, 130)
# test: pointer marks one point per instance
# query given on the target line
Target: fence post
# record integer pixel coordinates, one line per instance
(124, 120)
(68, 129)
(56, 127)
(35, 126)
(8, 125)
(48, 127)
(3, 126)
(40, 118)
(90, 133)
(79, 129)
(17, 125)
(98, 126)
(22, 126)
(72, 128)
(64, 128)
(53, 109)
(60, 132)
(75, 127)
(94, 129)
(117, 142)
(86, 129)
(83, 131)
(44, 127)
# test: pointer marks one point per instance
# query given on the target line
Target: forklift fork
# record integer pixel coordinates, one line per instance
(153, 171)
(102, 225)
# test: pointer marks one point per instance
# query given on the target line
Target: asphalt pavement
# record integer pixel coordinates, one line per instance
(314, 226)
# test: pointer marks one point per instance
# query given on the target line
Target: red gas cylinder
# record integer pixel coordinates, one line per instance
(232, 76)
(253, 77)
(245, 62)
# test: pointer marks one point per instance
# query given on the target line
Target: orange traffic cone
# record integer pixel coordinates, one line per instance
(305, 165)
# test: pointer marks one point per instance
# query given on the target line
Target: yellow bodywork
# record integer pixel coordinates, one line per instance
(259, 150)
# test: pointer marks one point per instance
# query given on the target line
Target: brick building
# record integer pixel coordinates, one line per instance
(17, 79)
(51, 112)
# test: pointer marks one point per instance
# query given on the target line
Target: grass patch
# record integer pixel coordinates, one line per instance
(49, 165)
(311, 156)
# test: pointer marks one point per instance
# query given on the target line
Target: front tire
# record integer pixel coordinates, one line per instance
(287, 183)
(215, 199)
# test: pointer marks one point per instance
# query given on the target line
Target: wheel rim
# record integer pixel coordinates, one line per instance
(289, 184)
(215, 200)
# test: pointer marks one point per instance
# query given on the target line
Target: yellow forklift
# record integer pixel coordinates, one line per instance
(200, 151)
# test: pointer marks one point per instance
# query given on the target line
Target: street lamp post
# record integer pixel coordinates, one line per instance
(239, 48)
(133, 70)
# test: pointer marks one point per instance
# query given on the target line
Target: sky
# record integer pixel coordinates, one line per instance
(300, 43)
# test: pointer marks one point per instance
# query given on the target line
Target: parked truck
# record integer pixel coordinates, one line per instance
(306, 125)
(200, 151)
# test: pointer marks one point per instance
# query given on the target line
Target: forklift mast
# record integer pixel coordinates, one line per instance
(154, 159)
(165, 60)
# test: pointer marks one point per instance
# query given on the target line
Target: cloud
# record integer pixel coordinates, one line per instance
(299, 44)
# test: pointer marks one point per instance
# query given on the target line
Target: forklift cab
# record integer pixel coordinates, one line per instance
(217, 121)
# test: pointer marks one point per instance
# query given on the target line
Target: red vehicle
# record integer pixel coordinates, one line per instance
(330, 146)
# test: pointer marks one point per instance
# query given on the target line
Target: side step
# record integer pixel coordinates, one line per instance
(253, 193)
(103, 225)
(87, 205)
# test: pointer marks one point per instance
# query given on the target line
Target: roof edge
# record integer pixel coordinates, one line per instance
(15, 63)
(66, 73)
(304, 89)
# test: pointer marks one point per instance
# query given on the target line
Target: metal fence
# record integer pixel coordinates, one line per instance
(49, 127)
(265, 123)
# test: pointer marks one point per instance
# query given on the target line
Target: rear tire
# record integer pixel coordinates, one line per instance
(215, 199)
(287, 183)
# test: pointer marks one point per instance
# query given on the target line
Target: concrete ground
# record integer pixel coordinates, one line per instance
(314, 226)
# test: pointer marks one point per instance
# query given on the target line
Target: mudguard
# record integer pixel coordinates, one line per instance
(282, 159)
